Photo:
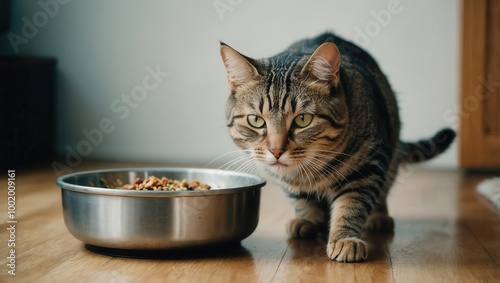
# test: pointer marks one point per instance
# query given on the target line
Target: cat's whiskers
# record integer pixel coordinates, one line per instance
(330, 151)
(307, 173)
(245, 163)
(350, 155)
(319, 165)
(232, 162)
(327, 154)
(245, 166)
(337, 160)
(226, 154)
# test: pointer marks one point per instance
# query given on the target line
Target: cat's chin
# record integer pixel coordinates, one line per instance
(279, 168)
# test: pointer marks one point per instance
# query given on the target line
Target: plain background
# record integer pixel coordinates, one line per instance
(104, 50)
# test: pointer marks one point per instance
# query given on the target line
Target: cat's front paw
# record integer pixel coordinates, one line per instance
(347, 250)
(301, 229)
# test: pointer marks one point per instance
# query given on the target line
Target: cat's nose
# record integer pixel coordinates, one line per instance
(277, 152)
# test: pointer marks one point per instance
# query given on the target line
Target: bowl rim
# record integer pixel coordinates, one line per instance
(64, 185)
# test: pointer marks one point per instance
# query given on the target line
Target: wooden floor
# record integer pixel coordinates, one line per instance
(445, 232)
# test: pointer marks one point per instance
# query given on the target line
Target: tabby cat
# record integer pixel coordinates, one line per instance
(322, 121)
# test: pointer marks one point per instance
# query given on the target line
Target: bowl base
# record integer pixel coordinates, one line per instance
(227, 249)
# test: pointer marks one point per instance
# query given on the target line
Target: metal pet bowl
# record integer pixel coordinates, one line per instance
(149, 220)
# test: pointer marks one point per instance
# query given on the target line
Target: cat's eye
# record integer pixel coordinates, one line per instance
(256, 121)
(303, 120)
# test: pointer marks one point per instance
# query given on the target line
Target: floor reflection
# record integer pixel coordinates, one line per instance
(307, 259)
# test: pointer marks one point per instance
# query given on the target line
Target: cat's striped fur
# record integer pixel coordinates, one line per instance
(322, 120)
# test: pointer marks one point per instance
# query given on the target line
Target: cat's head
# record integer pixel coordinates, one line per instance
(289, 111)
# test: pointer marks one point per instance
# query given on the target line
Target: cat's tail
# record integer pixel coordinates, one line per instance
(414, 152)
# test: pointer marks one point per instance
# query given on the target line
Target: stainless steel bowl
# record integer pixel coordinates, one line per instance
(146, 220)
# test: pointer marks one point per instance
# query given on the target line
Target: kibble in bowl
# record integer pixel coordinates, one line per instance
(153, 183)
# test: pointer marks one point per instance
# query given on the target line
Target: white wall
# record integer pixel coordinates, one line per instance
(105, 47)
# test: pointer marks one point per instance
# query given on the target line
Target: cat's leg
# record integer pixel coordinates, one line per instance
(310, 218)
(379, 220)
(349, 212)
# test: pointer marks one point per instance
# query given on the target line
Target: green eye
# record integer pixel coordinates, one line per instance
(256, 121)
(303, 120)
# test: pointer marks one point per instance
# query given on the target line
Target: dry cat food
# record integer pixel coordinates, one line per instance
(153, 183)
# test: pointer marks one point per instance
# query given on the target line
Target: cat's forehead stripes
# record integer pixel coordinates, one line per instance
(279, 80)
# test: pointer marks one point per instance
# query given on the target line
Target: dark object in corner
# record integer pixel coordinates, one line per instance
(4, 15)
(27, 110)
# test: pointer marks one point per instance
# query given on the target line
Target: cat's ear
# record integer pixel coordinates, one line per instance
(239, 69)
(324, 64)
